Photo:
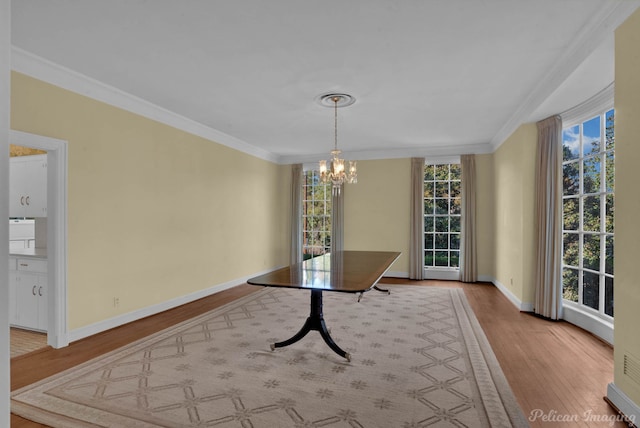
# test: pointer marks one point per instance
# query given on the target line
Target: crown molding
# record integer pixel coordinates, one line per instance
(37, 67)
(611, 15)
(602, 101)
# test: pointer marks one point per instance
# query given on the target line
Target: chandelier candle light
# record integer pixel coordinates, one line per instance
(336, 174)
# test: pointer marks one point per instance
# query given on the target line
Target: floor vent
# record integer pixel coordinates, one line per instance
(632, 368)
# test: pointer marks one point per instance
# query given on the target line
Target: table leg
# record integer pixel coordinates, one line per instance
(315, 321)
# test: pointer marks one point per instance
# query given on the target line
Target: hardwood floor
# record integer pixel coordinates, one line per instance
(553, 367)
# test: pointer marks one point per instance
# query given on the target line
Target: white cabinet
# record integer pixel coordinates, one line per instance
(28, 293)
(28, 186)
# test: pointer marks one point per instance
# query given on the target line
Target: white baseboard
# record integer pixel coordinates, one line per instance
(395, 274)
(623, 403)
(522, 306)
(90, 330)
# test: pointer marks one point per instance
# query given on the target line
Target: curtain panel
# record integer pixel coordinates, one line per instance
(468, 259)
(296, 214)
(416, 240)
(548, 227)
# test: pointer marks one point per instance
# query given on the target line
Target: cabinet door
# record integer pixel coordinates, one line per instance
(43, 304)
(28, 186)
(17, 188)
(37, 186)
(27, 308)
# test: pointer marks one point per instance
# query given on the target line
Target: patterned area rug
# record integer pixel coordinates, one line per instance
(418, 358)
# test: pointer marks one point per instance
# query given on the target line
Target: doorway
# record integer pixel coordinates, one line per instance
(56, 225)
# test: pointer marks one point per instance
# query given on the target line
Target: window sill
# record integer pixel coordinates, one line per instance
(600, 327)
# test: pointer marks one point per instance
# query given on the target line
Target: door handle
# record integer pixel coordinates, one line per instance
(21, 200)
(27, 200)
(40, 291)
(33, 290)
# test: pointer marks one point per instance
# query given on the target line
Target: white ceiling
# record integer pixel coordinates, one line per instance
(430, 77)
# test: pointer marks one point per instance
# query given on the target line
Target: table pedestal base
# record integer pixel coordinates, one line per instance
(315, 321)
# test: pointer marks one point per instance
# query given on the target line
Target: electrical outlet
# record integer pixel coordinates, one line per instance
(511, 281)
(116, 302)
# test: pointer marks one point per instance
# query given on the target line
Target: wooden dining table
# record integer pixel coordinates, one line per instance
(342, 271)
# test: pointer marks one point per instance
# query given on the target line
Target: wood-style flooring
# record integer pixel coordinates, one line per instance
(554, 368)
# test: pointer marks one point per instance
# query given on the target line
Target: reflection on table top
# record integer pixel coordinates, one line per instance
(346, 271)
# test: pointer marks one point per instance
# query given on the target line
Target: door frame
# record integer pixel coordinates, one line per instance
(57, 331)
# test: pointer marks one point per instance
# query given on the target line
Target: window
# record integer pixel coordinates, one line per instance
(588, 212)
(316, 216)
(442, 216)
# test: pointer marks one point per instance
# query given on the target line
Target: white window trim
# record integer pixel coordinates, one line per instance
(580, 315)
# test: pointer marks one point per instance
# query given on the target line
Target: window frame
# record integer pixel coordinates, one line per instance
(581, 231)
(434, 271)
(326, 202)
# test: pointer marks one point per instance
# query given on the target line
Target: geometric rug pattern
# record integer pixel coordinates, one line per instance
(418, 358)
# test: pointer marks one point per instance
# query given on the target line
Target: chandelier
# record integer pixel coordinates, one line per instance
(336, 173)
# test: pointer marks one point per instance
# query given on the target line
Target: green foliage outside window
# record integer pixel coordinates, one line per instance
(442, 213)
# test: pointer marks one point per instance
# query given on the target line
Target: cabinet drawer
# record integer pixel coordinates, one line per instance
(31, 265)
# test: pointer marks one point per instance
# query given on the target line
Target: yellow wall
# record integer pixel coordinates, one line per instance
(485, 215)
(627, 194)
(514, 187)
(377, 209)
(154, 213)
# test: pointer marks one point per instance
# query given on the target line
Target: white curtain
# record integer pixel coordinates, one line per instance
(468, 256)
(296, 214)
(416, 239)
(548, 230)
(337, 219)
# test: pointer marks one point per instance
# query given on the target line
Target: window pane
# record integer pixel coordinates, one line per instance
(428, 206)
(609, 214)
(428, 223)
(429, 189)
(571, 252)
(455, 259)
(608, 261)
(455, 189)
(428, 258)
(591, 290)
(455, 171)
(608, 296)
(591, 174)
(571, 143)
(455, 224)
(570, 284)
(442, 224)
(456, 207)
(570, 179)
(591, 213)
(428, 241)
(442, 258)
(591, 252)
(454, 241)
(442, 206)
(442, 189)
(442, 241)
(609, 124)
(591, 136)
(610, 171)
(442, 172)
(428, 172)
(571, 214)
